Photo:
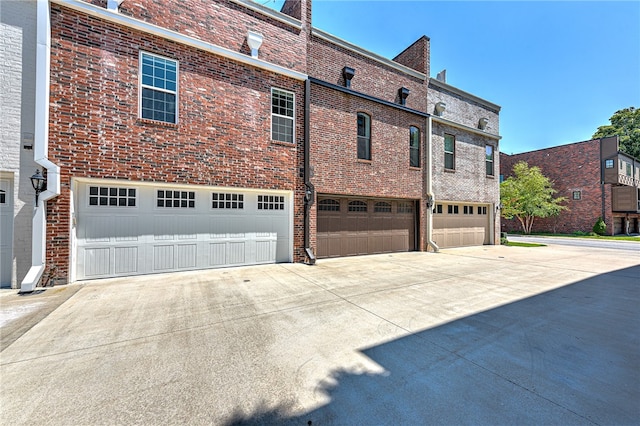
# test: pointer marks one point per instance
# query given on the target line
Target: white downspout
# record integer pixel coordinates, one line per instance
(431, 199)
(41, 148)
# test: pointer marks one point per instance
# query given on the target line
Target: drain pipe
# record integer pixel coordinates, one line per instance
(430, 197)
(41, 148)
(309, 191)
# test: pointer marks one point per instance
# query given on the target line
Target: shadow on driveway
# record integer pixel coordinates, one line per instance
(568, 356)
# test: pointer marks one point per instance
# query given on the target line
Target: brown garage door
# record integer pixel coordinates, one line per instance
(353, 226)
(458, 225)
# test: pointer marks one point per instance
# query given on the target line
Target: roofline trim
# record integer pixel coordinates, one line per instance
(145, 27)
(462, 93)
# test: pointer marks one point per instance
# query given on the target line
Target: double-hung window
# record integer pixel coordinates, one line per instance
(414, 146)
(282, 113)
(489, 159)
(364, 137)
(158, 88)
(449, 152)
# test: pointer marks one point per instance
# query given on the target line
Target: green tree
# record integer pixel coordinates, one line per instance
(528, 195)
(626, 124)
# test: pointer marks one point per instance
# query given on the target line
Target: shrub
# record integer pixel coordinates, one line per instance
(503, 239)
(600, 227)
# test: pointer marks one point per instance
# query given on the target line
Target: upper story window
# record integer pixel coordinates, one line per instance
(414, 146)
(608, 164)
(282, 113)
(449, 152)
(576, 195)
(158, 88)
(489, 159)
(364, 136)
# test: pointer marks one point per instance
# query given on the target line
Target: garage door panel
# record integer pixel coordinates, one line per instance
(125, 260)
(117, 241)
(462, 229)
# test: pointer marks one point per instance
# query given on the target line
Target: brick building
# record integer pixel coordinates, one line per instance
(595, 177)
(248, 138)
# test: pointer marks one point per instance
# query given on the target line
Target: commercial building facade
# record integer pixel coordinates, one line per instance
(249, 138)
(596, 179)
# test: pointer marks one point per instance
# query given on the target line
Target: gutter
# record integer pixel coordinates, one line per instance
(41, 148)
(309, 190)
(430, 196)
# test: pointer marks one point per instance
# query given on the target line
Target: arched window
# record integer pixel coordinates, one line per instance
(382, 207)
(329, 205)
(357, 206)
(414, 146)
(364, 136)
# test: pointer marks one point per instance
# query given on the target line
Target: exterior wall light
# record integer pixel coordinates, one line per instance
(254, 40)
(39, 184)
(440, 107)
(498, 207)
(482, 124)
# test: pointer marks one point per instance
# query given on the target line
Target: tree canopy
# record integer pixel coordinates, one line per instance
(528, 195)
(626, 124)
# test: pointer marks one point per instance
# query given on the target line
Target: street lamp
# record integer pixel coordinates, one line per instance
(39, 184)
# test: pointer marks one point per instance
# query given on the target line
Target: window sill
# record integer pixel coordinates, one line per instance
(281, 143)
(449, 170)
(360, 160)
(416, 169)
(490, 177)
(148, 121)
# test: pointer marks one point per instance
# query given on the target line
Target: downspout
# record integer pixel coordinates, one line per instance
(430, 197)
(41, 148)
(309, 192)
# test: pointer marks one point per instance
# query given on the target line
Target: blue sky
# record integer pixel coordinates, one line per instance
(558, 69)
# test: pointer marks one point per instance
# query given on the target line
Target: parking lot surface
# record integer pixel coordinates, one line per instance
(481, 335)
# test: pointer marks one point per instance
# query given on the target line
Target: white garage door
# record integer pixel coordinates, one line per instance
(131, 230)
(459, 225)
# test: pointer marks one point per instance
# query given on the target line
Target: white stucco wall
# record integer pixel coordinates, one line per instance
(17, 103)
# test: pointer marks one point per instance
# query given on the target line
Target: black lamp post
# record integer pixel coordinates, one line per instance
(39, 184)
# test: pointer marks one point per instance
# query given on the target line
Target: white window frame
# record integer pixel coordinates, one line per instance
(292, 118)
(142, 86)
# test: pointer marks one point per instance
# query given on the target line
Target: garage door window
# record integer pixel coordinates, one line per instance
(176, 199)
(452, 209)
(357, 206)
(482, 210)
(468, 209)
(405, 208)
(3, 198)
(329, 205)
(227, 201)
(112, 196)
(270, 202)
(382, 207)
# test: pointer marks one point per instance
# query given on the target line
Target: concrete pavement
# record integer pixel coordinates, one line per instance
(483, 335)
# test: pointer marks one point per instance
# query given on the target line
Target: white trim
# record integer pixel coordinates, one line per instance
(356, 49)
(465, 128)
(293, 118)
(278, 16)
(41, 147)
(464, 94)
(141, 86)
(155, 30)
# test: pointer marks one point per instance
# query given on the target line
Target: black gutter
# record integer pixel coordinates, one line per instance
(367, 97)
(309, 192)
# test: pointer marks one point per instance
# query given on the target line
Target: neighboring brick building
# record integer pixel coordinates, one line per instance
(248, 138)
(579, 172)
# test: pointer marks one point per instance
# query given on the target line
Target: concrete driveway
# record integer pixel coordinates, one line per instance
(483, 335)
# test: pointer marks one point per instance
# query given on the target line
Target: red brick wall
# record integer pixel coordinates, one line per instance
(224, 23)
(327, 60)
(222, 136)
(572, 167)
